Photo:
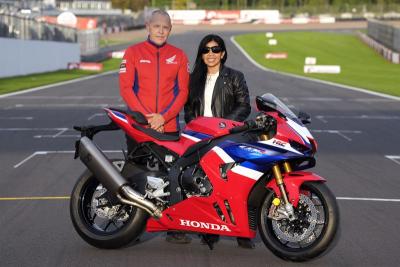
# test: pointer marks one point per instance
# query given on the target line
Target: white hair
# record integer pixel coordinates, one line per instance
(158, 12)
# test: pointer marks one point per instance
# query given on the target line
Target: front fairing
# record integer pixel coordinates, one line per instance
(289, 127)
(262, 152)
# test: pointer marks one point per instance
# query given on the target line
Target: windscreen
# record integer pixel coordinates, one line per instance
(273, 102)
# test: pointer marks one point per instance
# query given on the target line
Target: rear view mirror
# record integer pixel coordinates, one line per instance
(305, 118)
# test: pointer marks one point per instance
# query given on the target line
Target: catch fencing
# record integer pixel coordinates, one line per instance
(27, 28)
(385, 33)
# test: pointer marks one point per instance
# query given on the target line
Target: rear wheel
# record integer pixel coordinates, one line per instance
(310, 234)
(100, 219)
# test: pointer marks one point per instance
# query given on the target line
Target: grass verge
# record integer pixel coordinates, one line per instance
(13, 84)
(360, 65)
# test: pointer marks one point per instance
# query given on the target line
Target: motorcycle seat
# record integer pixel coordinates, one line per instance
(135, 115)
(155, 134)
(141, 119)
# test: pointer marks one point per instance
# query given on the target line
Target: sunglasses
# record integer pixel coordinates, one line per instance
(214, 49)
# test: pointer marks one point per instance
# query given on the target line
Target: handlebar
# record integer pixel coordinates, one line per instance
(246, 126)
(262, 122)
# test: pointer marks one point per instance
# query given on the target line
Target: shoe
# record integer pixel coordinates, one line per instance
(245, 243)
(178, 238)
(210, 237)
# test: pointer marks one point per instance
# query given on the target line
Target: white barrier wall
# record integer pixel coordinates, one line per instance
(22, 57)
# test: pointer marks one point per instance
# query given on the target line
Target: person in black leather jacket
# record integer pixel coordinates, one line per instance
(216, 90)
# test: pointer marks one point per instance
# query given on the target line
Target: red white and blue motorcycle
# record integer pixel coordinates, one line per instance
(218, 177)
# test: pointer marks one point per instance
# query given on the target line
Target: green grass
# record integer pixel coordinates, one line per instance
(13, 84)
(360, 65)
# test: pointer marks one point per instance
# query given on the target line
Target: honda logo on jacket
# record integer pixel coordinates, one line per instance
(171, 60)
(205, 225)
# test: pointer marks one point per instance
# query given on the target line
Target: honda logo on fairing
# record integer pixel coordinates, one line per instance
(204, 225)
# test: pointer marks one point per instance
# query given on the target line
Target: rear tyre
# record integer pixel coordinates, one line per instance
(100, 219)
(308, 236)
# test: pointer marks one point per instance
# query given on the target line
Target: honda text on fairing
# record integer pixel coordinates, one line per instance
(219, 177)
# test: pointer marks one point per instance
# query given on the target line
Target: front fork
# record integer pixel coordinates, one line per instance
(276, 169)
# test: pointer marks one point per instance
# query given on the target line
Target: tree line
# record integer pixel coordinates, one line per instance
(283, 5)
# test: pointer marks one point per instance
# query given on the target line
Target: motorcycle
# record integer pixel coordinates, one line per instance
(218, 177)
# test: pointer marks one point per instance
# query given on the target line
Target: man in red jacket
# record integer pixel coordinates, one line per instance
(154, 76)
(154, 79)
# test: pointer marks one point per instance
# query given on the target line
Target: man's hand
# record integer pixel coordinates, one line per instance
(156, 121)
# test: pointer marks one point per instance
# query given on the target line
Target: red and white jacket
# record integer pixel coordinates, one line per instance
(154, 79)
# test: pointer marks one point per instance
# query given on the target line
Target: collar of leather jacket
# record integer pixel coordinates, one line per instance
(224, 71)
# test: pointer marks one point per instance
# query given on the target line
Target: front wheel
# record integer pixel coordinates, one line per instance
(100, 219)
(310, 234)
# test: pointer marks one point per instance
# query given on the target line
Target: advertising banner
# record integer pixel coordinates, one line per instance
(331, 69)
(223, 14)
(276, 55)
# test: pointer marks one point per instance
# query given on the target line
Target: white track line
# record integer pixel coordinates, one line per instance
(338, 132)
(16, 118)
(57, 135)
(31, 129)
(82, 97)
(59, 132)
(96, 115)
(369, 199)
(72, 105)
(394, 158)
(359, 117)
(310, 79)
(55, 152)
(59, 84)
(67, 198)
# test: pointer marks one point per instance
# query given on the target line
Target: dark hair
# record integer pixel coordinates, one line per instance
(199, 74)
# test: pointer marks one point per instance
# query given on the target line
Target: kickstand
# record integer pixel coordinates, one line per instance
(210, 240)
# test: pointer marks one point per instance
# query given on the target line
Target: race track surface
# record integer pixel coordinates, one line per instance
(359, 155)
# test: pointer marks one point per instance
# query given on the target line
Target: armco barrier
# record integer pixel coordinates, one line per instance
(387, 53)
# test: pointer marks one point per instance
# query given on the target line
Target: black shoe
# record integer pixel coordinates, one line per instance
(209, 240)
(209, 237)
(245, 243)
(178, 238)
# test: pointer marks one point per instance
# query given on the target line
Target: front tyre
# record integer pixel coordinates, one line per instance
(100, 219)
(310, 234)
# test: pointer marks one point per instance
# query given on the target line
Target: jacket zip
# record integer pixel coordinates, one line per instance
(158, 77)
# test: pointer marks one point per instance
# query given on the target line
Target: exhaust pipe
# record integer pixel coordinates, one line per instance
(106, 173)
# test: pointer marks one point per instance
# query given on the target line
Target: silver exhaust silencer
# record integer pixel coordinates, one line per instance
(107, 174)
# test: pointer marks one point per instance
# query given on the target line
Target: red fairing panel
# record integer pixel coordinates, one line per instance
(293, 181)
(209, 126)
(212, 126)
(284, 132)
(197, 214)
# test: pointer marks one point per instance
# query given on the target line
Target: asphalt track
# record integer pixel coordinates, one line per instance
(359, 154)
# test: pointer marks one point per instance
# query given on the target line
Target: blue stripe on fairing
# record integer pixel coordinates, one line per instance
(256, 167)
(118, 114)
(176, 92)
(197, 135)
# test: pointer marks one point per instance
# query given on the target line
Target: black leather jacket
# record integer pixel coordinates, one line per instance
(230, 98)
